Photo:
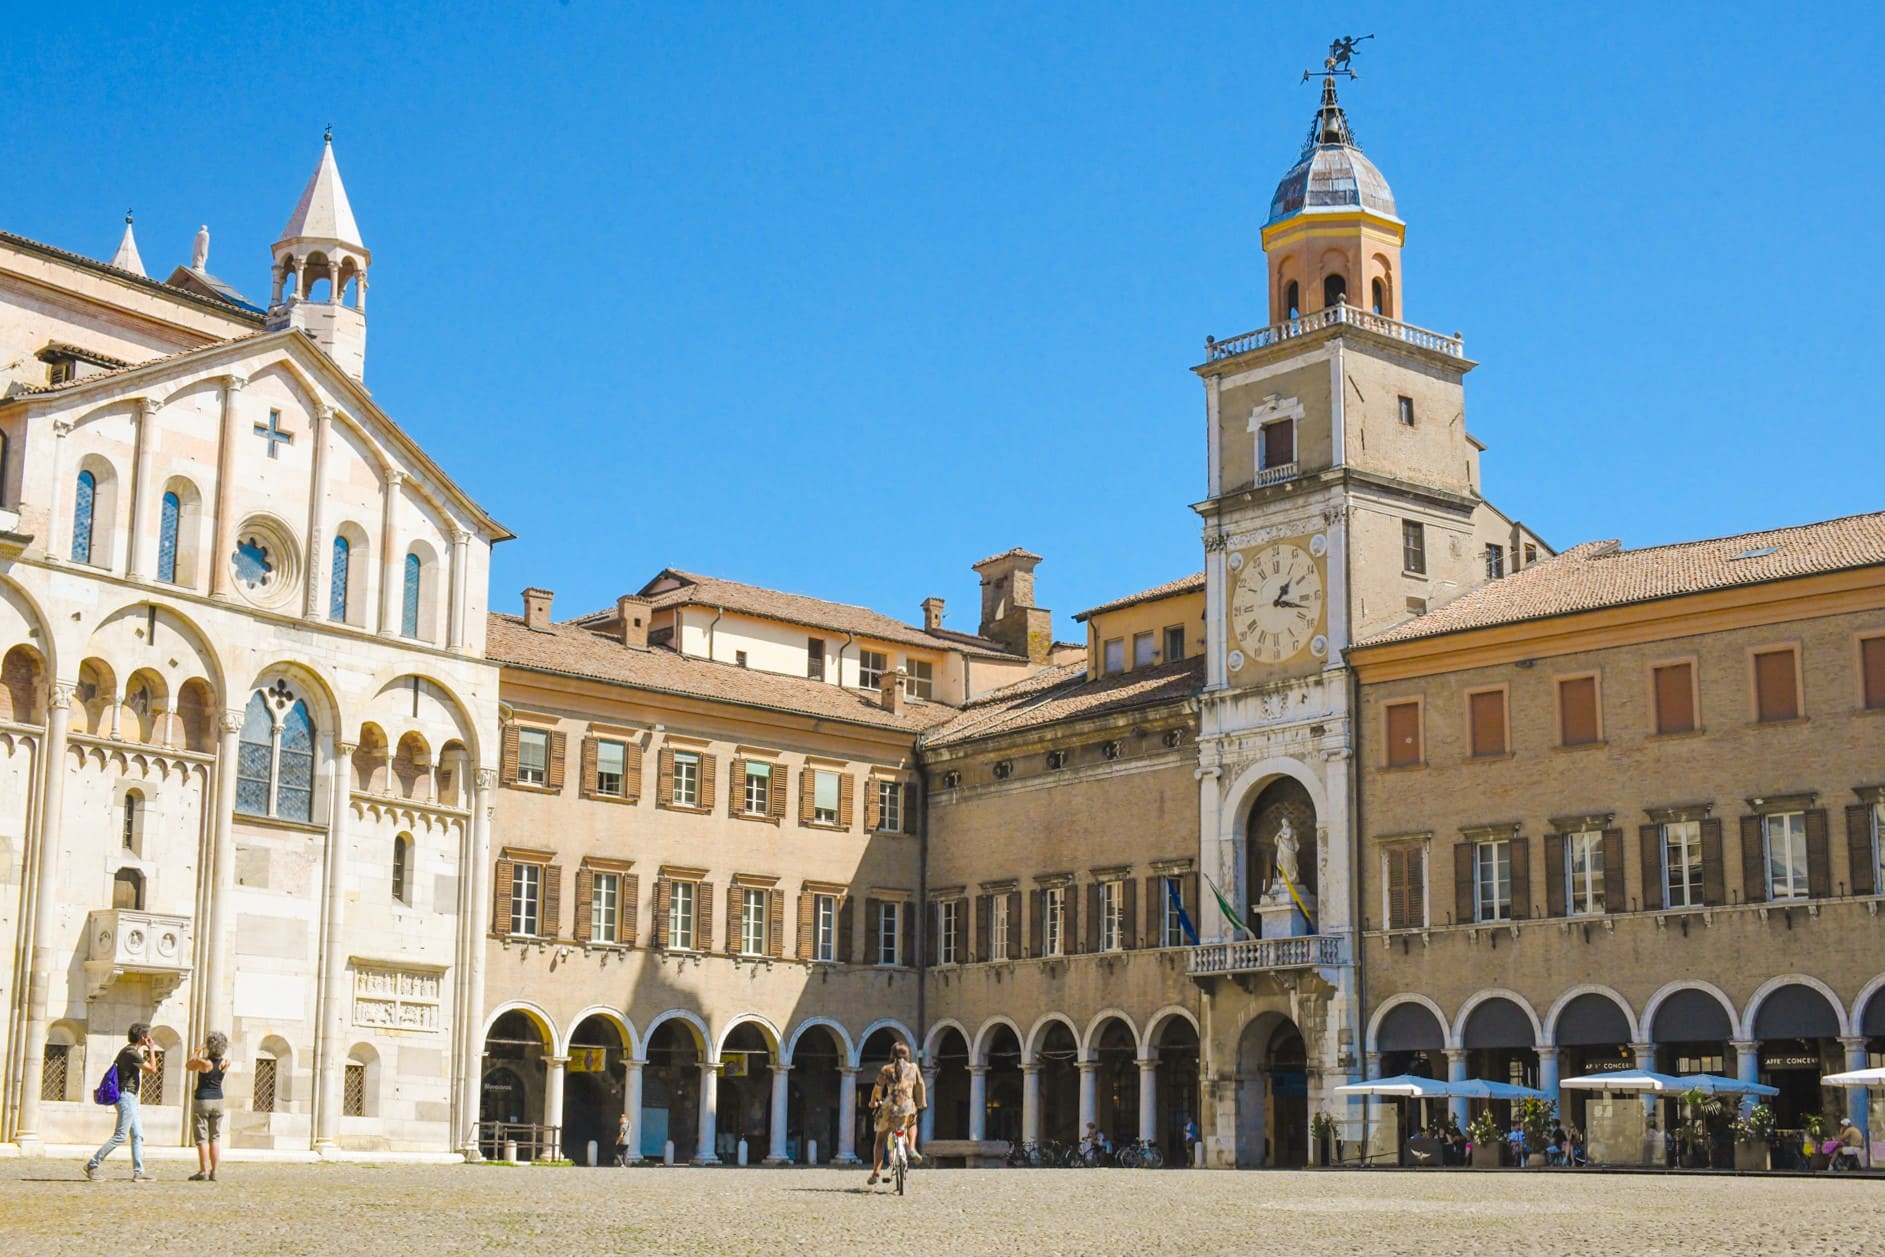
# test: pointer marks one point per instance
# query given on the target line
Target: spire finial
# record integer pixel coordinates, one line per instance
(1331, 124)
(127, 218)
(126, 257)
(327, 137)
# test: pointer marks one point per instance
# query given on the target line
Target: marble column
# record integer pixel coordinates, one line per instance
(1548, 1072)
(392, 588)
(631, 1105)
(225, 525)
(219, 974)
(1856, 1106)
(781, 1094)
(320, 551)
(1646, 1060)
(331, 1023)
(1089, 1094)
(51, 771)
(1148, 1098)
(978, 1102)
(138, 561)
(706, 1135)
(1747, 1059)
(1031, 1103)
(555, 1069)
(1456, 1072)
(478, 924)
(456, 596)
(926, 1120)
(847, 1117)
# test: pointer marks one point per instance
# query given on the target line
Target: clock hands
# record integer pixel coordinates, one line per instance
(1282, 597)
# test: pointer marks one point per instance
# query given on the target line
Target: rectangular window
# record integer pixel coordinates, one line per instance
(1675, 698)
(353, 1091)
(1413, 547)
(752, 922)
(1531, 554)
(687, 778)
(533, 756)
(1492, 881)
(1403, 734)
(824, 797)
(611, 762)
(1872, 672)
(151, 1089)
(890, 806)
(1495, 562)
(1577, 711)
(1776, 692)
(681, 915)
(758, 796)
(998, 927)
(1878, 848)
(1486, 714)
(1785, 833)
(919, 679)
(825, 928)
(1276, 443)
(948, 928)
(1112, 916)
(1407, 889)
(1405, 405)
(1171, 927)
(871, 666)
(890, 933)
(815, 658)
(1584, 873)
(262, 1094)
(53, 1071)
(1053, 912)
(1682, 864)
(739, 659)
(605, 908)
(1142, 650)
(526, 896)
(1114, 652)
(1174, 642)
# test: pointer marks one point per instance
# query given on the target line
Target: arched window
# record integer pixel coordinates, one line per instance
(255, 758)
(1334, 289)
(275, 765)
(294, 784)
(402, 869)
(337, 587)
(1292, 300)
(167, 539)
(1380, 297)
(82, 508)
(409, 610)
(3, 469)
(127, 890)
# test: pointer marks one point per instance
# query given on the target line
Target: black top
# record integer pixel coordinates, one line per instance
(130, 1064)
(209, 1083)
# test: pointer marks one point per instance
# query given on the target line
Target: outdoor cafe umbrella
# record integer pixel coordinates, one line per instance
(1717, 1085)
(1855, 1078)
(1486, 1089)
(1627, 1080)
(1401, 1086)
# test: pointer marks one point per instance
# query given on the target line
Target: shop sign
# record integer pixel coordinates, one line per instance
(1790, 1060)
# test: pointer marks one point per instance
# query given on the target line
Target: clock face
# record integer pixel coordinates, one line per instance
(1277, 603)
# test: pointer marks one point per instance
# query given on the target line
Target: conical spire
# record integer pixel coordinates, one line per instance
(126, 257)
(323, 212)
(1330, 125)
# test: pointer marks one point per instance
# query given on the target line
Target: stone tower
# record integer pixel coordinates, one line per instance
(320, 270)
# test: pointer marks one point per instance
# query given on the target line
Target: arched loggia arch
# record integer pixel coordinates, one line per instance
(1550, 1031)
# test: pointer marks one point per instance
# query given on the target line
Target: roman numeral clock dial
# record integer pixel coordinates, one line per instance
(1276, 605)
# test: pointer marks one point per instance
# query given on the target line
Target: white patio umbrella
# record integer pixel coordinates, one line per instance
(1627, 1080)
(1400, 1086)
(1718, 1085)
(1856, 1078)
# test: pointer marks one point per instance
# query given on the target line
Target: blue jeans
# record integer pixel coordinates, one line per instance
(130, 1123)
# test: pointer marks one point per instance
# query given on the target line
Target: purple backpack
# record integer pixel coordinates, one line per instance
(107, 1092)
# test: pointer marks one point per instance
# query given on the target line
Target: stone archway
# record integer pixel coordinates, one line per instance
(670, 1090)
(511, 1091)
(814, 1095)
(594, 1090)
(1272, 1094)
(949, 1098)
(1284, 806)
(1005, 1084)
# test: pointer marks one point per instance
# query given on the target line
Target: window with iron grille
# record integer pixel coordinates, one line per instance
(52, 1074)
(263, 1098)
(871, 666)
(353, 1096)
(151, 1089)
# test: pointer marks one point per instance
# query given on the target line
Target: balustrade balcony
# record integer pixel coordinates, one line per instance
(1343, 315)
(1266, 955)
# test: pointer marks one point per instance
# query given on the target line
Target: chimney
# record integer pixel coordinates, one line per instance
(633, 613)
(1009, 616)
(890, 691)
(932, 614)
(537, 609)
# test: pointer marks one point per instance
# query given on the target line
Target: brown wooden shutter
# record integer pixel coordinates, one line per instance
(1463, 896)
(1615, 888)
(984, 927)
(808, 924)
(631, 771)
(1014, 923)
(734, 897)
(508, 757)
(1714, 866)
(736, 796)
(1819, 855)
(1092, 916)
(590, 753)
(1775, 695)
(1872, 669)
(1554, 876)
(1487, 714)
(1649, 845)
(664, 900)
(1753, 861)
(808, 794)
(1188, 892)
(847, 930)
(1521, 879)
(908, 956)
(1675, 699)
(873, 813)
(1414, 901)
(1577, 711)
(959, 933)
(1397, 888)
(1403, 734)
(703, 916)
(585, 902)
(708, 791)
(874, 931)
(559, 743)
(552, 901)
(847, 797)
(664, 777)
(1859, 845)
(1129, 913)
(1036, 916)
(1154, 910)
(775, 795)
(775, 922)
(501, 901)
(631, 908)
(1070, 920)
(932, 934)
(912, 799)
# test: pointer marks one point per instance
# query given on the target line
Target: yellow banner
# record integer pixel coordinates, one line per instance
(588, 1060)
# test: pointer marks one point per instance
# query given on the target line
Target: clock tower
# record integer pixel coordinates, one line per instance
(1342, 498)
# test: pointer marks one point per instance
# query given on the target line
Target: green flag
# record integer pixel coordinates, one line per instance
(1223, 905)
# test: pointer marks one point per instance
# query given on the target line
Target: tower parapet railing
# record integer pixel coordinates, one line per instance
(1340, 314)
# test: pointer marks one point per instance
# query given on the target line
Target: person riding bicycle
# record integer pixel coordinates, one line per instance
(896, 1098)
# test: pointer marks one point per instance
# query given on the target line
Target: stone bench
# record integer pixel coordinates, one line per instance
(975, 1154)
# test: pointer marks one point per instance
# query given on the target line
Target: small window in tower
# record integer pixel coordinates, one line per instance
(1334, 290)
(1380, 292)
(1292, 300)
(1276, 443)
(1406, 405)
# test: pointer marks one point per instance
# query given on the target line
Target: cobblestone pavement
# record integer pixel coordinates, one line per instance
(403, 1211)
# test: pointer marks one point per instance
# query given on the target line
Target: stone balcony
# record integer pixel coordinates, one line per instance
(1266, 955)
(1337, 315)
(124, 942)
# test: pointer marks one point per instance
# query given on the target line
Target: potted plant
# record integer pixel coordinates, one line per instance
(1322, 1138)
(1753, 1135)
(1536, 1118)
(1484, 1148)
(1815, 1132)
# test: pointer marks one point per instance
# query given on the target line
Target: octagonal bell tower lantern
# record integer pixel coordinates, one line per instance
(320, 269)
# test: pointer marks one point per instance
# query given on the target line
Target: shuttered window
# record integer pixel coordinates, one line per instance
(1053, 918)
(1407, 888)
(680, 934)
(752, 921)
(686, 779)
(526, 898)
(1486, 713)
(1785, 837)
(1776, 692)
(605, 908)
(890, 932)
(758, 795)
(1577, 711)
(949, 932)
(890, 806)
(1584, 873)
(824, 798)
(1682, 864)
(611, 767)
(825, 927)
(1277, 443)
(1492, 881)
(1403, 720)
(1675, 698)
(1872, 668)
(533, 756)
(1112, 917)
(999, 908)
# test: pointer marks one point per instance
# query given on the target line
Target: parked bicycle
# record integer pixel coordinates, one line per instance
(1140, 1154)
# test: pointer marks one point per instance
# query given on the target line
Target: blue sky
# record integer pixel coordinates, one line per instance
(840, 299)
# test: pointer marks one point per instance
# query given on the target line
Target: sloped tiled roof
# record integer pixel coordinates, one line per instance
(1066, 693)
(568, 650)
(127, 368)
(1601, 574)
(142, 281)
(1193, 584)
(776, 604)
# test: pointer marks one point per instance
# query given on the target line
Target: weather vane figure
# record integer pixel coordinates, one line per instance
(1341, 55)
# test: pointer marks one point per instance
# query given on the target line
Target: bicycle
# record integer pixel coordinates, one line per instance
(1142, 1154)
(899, 1157)
(1021, 1155)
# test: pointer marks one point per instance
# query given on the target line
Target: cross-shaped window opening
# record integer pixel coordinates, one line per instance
(274, 434)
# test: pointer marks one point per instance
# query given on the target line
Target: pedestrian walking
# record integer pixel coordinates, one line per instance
(132, 1063)
(210, 1064)
(621, 1141)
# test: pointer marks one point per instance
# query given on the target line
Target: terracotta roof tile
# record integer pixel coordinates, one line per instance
(1012, 552)
(1600, 574)
(1066, 693)
(1183, 585)
(127, 368)
(568, 650)
(143, 281)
